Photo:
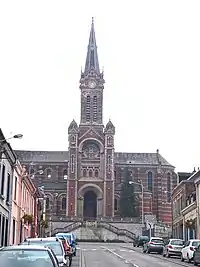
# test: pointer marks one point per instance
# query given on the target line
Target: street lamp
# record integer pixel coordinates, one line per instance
(16, 136)
(142, 191)
(32, 175)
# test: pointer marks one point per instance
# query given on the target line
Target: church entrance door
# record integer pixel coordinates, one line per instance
(90, 206)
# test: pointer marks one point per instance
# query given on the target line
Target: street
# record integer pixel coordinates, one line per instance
(119, 255)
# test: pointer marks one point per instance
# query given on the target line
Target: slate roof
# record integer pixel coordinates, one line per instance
(120, 157)
(42, 156)
(141, 159)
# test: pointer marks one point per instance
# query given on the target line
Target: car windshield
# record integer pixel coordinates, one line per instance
(196, 243)
(54, 245)
(157, 240)
(177, 242)
(25, 257)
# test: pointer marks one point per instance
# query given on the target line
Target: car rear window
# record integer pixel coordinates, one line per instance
(177, 242)
(195, 243)
(157, 240)
(25, 257)
(54, 245)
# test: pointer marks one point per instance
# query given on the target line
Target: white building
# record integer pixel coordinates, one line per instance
(7, 161)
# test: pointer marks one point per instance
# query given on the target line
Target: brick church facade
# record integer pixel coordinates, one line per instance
(85, 181)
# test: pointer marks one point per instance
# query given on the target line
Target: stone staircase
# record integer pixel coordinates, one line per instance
(93, 230)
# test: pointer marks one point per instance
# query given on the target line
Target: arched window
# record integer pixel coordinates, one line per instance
(63, 203)
(150, 181)
(48, 173)
(109, 163)
(168, 187)
(88, 108)
(47, 203)
(90, 173)
(110, 140)
(116, 204)
(72, 163)
(94, 108)
(84, 173)
(96, 173)
(65, 174)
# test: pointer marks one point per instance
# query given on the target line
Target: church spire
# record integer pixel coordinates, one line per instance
(92, 62)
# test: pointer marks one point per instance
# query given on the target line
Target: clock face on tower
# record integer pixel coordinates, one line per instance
(92, 84)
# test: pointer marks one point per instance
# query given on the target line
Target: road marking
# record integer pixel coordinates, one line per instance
(94, 249)
(111, 251)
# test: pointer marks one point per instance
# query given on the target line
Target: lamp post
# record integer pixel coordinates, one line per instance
(142, 191)
(16, 136)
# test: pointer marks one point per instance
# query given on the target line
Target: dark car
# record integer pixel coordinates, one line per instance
(23, 256)
(156, 244)
(196, 255)
(138, 242)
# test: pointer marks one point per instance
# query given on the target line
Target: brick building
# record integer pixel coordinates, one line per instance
(85, 181)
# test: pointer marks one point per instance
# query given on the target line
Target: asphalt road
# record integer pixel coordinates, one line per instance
(119, 255)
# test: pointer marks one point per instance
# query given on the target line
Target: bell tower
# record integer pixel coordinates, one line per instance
(92, 85)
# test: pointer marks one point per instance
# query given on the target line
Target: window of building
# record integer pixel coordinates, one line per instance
(110, 140)
(72, 163)
(90, 173)
(88, 108)
(6, 232)
(109, 163)
(47, 203)
(116, 204)
(8, 188)
(96, 173)
(2, 231)
(3, 180)
(48, 173)
(168, 187)
(84, 173)
(95, 108)
(63, 203)
(65, 174)
(150, 181)
(13, 231)
(15, 189)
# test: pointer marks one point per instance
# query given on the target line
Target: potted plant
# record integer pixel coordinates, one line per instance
(28, 218)
(190, 223)
(44, 224)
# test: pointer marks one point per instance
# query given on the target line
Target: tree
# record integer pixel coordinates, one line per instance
(128, 200)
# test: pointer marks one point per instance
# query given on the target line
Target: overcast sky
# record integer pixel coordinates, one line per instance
(150, 52)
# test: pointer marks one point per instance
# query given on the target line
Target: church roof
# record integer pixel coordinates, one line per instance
(140, 159)
(63, 156)
(42, 156)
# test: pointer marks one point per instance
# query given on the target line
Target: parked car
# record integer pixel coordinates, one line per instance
(72, 240)
(196, 256)
(138, 242)
(67, 248)
(173, 247)
(155, 244)
(188, 249)
(24, 255)
(55, 244)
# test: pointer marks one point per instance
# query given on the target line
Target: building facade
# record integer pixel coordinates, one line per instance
(86, 180)
(24, 206)
(7, 162)
(184, 203)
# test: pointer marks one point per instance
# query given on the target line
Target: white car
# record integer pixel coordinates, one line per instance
(187, 251)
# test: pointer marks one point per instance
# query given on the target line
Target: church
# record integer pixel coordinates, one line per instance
(86, 180)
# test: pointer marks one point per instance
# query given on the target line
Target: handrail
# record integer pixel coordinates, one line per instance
(118, 231)
(67, 228)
